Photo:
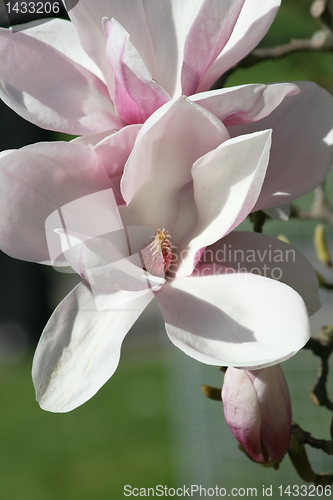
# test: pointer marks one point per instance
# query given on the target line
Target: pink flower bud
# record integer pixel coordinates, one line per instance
(257, 409)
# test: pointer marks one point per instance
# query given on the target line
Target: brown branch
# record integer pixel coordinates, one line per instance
(258, 220)
(304, 437)
(322, 346)
(299, 458)
(212, 392)
(320, 41)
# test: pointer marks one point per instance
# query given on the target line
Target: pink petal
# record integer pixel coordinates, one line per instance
(233, 319)
(87, 17)
(35, 181)
(302, 145)
(113, 151)
(269, 257)
(246, 103)
(227, 183)
(62, 36)
(242, 411)
(136, 95)
(49, 89)
(252, 25)
(160, 165)
(158, 30)
(80, 348)
(93, 140)
(207, 37)
(258, 411)
(169, 22)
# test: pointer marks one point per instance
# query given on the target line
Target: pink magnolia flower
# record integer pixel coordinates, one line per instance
(119, 61)
(115, 63)
(257, 409)
(190, 180)
(75, 78)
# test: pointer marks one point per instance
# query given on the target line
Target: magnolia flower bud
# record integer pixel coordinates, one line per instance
(258, 411)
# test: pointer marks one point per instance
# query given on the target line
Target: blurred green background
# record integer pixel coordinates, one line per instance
(150, 424)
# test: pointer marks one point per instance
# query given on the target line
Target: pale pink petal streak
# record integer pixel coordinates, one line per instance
(136, 94)
(252, 25)
(208, 35)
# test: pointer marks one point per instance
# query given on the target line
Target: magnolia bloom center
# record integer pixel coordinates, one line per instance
(156, 254)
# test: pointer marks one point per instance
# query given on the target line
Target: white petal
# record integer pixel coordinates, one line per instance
(235, 319)
(170, 141)
(105, 263)
(62, 35)
(245, 103)
(80, 348)
(227, 182)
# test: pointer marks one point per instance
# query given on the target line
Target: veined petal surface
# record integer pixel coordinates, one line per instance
(80, 348)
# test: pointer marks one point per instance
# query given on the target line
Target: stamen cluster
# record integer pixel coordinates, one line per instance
(157, 255)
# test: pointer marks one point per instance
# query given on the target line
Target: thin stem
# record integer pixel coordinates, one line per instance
(322, 346)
